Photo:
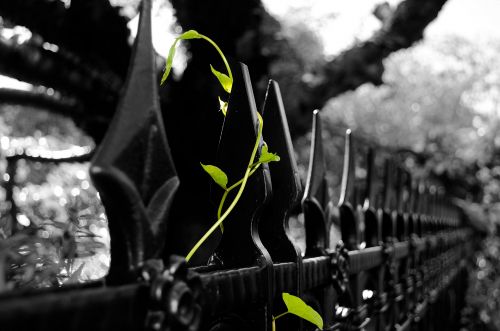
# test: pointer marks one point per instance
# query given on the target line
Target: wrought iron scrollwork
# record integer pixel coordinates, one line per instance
(389, 255)
(340, 267)
(174, 296)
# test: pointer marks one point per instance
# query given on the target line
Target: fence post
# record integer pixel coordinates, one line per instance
(133, 168)
(318, 218)
(402, 234)
(354, 206)
(240, 245)
(273, 228)
(373, 235)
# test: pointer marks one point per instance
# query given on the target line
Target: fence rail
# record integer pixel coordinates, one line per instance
(391, 255)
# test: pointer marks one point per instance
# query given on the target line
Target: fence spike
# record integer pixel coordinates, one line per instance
(372, 229)
(274, 229)
(285, 179)
(390, 183)
(401, 197)
(133, 168)
(389, 201)
(369, 195)
(319, 216)
(240, 245)
(347, 202)
(348, 174)
(316, 201)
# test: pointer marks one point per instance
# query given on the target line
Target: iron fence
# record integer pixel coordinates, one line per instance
(390, 255)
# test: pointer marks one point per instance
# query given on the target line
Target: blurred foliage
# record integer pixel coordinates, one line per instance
(483, 295)
(57, 131)
(57, 232)
(295, 51)
(432, 109)
(440, 113)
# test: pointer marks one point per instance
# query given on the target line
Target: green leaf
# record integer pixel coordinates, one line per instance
(224, 80)
(266, 157)
(298, 307)
(170, 59)
(217, 175)
(223, 106)
(190, 34)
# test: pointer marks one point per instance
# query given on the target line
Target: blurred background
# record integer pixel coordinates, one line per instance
(418, 78)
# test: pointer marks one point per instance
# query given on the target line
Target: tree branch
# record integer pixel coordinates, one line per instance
(97, 91)
(56, 104)
(363, 63)
(93, 29)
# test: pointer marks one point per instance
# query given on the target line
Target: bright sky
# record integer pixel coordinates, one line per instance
(476, 20)
(338, 23)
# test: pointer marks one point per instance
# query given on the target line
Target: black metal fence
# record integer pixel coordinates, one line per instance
(390, 255)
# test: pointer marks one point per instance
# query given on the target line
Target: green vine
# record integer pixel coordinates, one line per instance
(217, 174)
(294, 304)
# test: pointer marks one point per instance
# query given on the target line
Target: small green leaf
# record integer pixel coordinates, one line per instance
(296, 306)
(224, 80)
(170, 59)
(266, 157)
(217, 175)
(223, 106)
(190, 34)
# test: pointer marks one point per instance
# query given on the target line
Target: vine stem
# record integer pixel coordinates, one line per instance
(236, 199)
(235, 185)
(254, 168)
(221, 54)
(280, 315)
(275, 318)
